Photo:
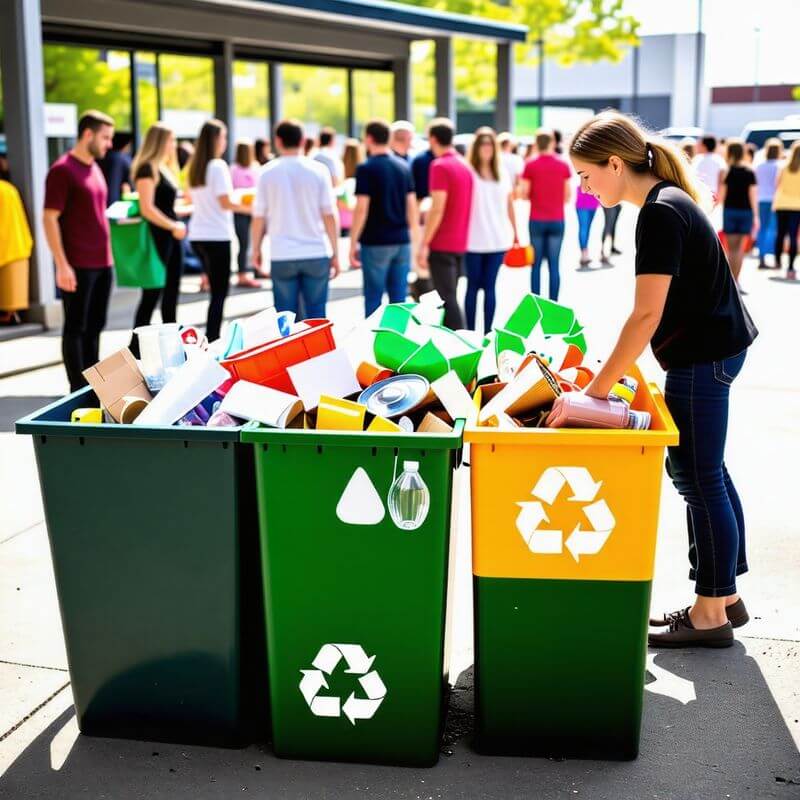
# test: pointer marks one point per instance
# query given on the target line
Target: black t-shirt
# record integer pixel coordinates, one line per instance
(704, 318)
(739, 180)
(387, 181)
(164, 200)
(421, 170)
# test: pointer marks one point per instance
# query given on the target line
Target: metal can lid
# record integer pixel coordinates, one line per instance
(395, 396)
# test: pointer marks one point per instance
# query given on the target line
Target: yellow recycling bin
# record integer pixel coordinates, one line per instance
(564, 525)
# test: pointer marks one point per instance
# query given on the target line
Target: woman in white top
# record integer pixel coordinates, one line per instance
(492, 225)
(211, 226)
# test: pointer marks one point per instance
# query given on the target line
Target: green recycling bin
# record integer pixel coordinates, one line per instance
(355, 605)
(153, 536)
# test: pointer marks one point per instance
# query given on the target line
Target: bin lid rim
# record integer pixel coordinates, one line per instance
(34, 424)
(252, 433)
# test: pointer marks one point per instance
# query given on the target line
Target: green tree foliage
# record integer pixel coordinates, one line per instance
(572, 31)
(88, 78)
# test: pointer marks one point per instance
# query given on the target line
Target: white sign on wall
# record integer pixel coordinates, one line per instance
(60, 120)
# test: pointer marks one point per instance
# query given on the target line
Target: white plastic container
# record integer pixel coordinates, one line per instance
(161, 350)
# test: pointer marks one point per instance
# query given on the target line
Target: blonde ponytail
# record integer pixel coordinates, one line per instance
(613, 134)
(669, 165)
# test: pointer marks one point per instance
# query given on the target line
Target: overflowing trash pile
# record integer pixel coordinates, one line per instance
(422, 377)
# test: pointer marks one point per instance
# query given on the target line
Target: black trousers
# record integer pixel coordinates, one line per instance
(611, 215)
(788, 225)
(84, 319)
(241, 224)
(446, 268)
(216, 260)
(169, 295)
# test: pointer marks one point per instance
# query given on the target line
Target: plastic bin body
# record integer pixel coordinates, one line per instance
(560, 623)
(266, 364)
(371, 586)
(153, 540)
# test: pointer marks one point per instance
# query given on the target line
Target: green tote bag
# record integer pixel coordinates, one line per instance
(136, 259)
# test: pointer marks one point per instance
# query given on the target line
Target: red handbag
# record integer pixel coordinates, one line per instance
(519, 256)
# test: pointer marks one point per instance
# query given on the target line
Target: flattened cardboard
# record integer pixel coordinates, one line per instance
(115, 378)
(533, 387)
(328, 374)
(454, 397)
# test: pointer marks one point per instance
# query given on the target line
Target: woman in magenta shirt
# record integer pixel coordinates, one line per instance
(586, 206)
(243, 176)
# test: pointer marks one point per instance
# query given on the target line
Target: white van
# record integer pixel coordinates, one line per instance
(787, 130)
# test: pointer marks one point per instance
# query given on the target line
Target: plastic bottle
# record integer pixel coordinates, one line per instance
(409, 498)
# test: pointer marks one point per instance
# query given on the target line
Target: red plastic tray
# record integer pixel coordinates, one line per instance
(267, 363)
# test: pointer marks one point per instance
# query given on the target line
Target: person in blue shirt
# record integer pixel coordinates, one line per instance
(385, 220)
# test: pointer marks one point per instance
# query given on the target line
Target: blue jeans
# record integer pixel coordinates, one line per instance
(585, 217)
(304, 280)
(546, 238)
(697, 398)
(482, 269)
(385, 268)
(737, 221)
(767, 229)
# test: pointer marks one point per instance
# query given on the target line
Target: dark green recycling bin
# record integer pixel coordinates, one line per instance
(153, 536)
(355, 606)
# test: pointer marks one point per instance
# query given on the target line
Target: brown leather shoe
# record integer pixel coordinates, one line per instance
(682, 633)
(736, 613)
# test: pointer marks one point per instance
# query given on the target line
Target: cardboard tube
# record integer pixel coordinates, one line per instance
(131, 408)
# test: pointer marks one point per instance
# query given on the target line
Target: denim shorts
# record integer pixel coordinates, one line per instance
(737, 221)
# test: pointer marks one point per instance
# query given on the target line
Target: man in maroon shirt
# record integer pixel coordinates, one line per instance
(77, 233)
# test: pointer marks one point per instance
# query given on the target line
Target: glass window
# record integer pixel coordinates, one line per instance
(146, 90)
(89, 78)
(373, 97)
(251, 99)
(187, 92)
(317, 96)
(423, 83)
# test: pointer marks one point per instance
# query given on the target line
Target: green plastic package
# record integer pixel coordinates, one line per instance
(411, 340)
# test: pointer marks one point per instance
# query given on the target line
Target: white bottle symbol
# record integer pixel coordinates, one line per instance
(409, 498)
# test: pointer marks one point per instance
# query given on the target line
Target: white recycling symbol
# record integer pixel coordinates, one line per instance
(584, 490)
(358, 663)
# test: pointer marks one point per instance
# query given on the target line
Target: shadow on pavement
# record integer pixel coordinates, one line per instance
(12, 408)
(730, 741)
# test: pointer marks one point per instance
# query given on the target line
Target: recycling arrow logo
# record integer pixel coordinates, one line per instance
(358, 663)
(580, 542)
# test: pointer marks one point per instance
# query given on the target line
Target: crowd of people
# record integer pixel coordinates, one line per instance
(759, 191)
(444, 212)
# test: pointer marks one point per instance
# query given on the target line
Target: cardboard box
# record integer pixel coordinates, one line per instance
(116, 378)
(432, 424)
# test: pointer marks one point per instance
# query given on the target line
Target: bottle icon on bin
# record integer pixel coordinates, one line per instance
(409, 498)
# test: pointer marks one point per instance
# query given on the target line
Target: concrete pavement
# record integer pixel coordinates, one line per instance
(737, 739)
